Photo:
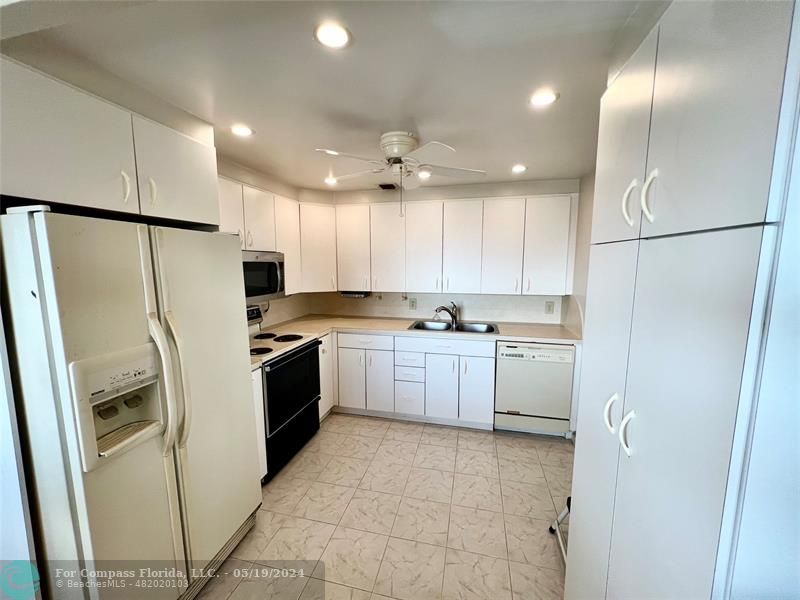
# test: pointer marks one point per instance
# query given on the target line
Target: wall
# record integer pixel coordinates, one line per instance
(259, 179)
(472, 307)
(639, 24)
(286, 309)
(576, 303)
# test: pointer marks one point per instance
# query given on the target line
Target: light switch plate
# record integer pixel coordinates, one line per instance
(549, 307)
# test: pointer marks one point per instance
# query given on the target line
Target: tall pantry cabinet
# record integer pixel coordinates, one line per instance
(690, 179)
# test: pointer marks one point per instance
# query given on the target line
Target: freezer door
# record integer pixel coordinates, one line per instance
(202, 305)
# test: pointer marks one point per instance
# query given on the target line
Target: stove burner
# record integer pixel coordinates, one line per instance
(292, 337)
(258, 351)
(264, 336)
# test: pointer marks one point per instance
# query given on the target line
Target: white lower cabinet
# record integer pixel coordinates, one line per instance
(326, 399)
(409, 398)
(352, 378)
(380, 380)
(441, 386)
(261, 427)
(476, 390)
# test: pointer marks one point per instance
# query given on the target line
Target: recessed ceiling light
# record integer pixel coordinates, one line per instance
(517, 169)
(241, 130)
(331, 180)
(543, 97)
(332, 35)
(424, 174)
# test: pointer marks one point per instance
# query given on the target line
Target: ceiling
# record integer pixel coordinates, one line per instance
(457, 72)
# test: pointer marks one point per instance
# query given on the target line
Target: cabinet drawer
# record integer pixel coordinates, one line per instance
(409, 398)
(409, 359)
(370, 342)
(409, 374)
(445, 345)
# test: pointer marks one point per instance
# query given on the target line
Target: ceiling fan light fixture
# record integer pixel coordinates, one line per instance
(331, 180)
(241, 130)
(424, 173)
(543, 97)
(518, 168)
(332, 35)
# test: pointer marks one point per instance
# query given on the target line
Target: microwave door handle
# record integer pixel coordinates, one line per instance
(280, 267)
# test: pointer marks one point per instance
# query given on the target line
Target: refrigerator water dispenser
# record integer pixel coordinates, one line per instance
(117, 402)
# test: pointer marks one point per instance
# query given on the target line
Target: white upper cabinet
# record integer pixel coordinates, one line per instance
(424, 247)
(387, 247)
(352, 247)
(259, 219)
(287, 240)
(318, 247)
(717, 95)
(177, 175)
(503, 239)
(59, 144)
(546, 260)
(231, 211)
(622, 147)
(463, 230)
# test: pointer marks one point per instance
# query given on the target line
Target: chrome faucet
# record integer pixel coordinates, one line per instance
(451, 310)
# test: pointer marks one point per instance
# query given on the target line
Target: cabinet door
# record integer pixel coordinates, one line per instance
(352, 247)
(441, 386)
(691, 314)
(547, 245)
(424, 247)
(61, 145)
(461, 262)
(476, 390)
(325, 376)
(259, 219)
(257, 384)
(318, 247)
(609, 310)
(622, 147)
(718, 88)
(352, 378)
(231, 211)
(380, 380)
(287, 240)
(503, 237)
(177, 175)
(387, 247)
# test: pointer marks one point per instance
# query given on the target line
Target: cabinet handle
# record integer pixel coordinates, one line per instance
(323, 351)
(625, 197)
(370, 361)
(126, 187)
(454, 365)
(465, 367)
(333, 282)
(623, 428)
(516, 284)
(361, 360)
(448, 284)
(643, 197)
(528, 287)
(151, 183)
(607, 413)
(436, 285)
(249, 239)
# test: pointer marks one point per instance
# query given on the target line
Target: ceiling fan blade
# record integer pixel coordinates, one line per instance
(417, 155)
(357, 174)
(454, 171)
(336, 153)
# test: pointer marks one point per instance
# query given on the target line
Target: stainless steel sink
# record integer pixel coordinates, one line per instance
(431, 325)
(476, 327)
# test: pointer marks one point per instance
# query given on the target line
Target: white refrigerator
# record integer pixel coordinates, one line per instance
(131, 352)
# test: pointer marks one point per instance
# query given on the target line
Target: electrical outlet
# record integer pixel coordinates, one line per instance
(549, 307)
(412, 304)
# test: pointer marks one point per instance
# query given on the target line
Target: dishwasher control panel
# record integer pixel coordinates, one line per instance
(558, 354)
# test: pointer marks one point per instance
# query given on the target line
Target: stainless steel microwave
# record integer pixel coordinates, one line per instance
(264, 276)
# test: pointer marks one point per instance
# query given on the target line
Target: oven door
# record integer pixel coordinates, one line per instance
(291, 383)
(263, 276)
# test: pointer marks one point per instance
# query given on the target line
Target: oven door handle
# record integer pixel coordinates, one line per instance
(304, 349)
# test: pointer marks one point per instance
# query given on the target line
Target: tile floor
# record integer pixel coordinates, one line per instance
(380, 509)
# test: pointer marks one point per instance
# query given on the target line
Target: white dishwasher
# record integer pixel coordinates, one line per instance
(534, 387)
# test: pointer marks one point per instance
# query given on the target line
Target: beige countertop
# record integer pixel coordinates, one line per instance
(319, 325)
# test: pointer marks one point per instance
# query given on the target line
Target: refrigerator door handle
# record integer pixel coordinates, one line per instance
(160, 338)
(187, 397)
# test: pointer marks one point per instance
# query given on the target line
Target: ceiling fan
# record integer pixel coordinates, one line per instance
(404, 159)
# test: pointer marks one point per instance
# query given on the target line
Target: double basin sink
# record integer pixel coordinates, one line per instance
(461, 327)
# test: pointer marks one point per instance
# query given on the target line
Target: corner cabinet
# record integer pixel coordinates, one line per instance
(287, 240)
(318, 247)
(352, 247)
(177, 175)
(60, 144)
